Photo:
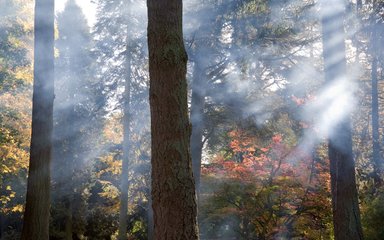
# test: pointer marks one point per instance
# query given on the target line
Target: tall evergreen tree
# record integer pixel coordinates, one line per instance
(120, 50)
(346, 213)
(36, 216)
(375, 111)
(75, 125)
(376, 27)
(124, 187)
(173, 188)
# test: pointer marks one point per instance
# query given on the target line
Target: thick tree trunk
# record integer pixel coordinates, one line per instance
(346, 215)
(197, 113)
(36, 216)
(173, 188)
(123, 218)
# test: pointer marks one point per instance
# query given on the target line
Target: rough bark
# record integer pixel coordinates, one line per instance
(123, 217)
(197, 112)
(173, 188)
(346, 215)
(36, 216)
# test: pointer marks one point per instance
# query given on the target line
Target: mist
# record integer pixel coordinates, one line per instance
(274, 88)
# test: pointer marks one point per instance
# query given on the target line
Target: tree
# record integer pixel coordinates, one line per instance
(374, 47)
(197, 114)
(36, 216)
(123, 218)
(75, 108)
(345, 206)
(173, 189)
(120, 44)
(375, 113)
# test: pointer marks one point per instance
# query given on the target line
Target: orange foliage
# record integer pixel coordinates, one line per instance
(296, 181)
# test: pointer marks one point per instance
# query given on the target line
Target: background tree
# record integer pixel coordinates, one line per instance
(346, 213)
(117, 27)
(77, 104)
(123, 218)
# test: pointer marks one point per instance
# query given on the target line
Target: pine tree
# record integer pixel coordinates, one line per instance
(120, 53)
(75, 122)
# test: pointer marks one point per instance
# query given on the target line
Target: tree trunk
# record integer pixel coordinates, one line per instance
(197, 113)
(36, 216)
(123, 218)
(150, 220)
(68, 217)
(1, 225)
(346, 215)
(375, 109)
(173, 188)
(375, 125)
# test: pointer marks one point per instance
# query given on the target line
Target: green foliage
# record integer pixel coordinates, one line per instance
(101, 226)
(373, 217)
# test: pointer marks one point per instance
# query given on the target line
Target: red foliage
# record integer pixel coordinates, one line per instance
(275, 161)
(270, 179)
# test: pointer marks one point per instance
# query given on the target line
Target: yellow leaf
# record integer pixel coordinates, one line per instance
(17, 208)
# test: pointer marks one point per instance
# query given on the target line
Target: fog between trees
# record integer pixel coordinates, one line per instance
(175, 119)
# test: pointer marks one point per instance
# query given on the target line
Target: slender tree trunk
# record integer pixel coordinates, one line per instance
(36, 215)
(68, 218)
(197, 113)
(375, 124)
(346, 214)
(150, 220)
(173, 188)
(123, 218)
(375, 107)
(1, 225)
(68, 162)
